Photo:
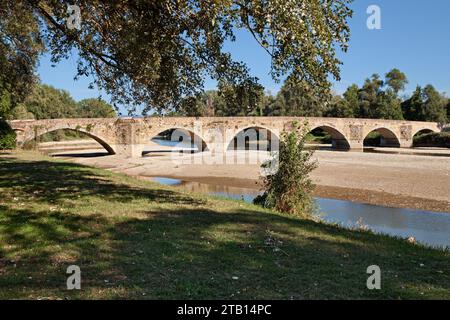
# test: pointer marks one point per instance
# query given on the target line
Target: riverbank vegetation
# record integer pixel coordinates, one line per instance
(287, 183)
(435, 139)
(139, 240)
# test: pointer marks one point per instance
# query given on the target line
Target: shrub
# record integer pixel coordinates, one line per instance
(7, 136)
(373, 139)
(441, 139)
(289, 189)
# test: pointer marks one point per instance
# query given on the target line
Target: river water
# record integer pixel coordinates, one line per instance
(426, 227)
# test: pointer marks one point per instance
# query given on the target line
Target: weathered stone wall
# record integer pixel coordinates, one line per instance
(128, 136)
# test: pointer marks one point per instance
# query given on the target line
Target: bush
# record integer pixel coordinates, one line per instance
(289, 189)
(373, 139)
(7, 136)
(441, 139)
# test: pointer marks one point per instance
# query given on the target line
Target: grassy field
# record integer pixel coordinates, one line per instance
(139, 240)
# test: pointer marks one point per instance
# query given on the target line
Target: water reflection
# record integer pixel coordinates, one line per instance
(426, 227)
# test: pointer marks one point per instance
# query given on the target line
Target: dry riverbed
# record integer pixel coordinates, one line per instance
(394, 180)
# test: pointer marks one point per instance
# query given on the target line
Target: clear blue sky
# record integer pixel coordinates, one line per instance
(414, 37)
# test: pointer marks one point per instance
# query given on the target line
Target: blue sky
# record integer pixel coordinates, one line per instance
(414, 37)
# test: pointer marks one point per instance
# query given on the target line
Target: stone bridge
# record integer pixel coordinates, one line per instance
(129, 136)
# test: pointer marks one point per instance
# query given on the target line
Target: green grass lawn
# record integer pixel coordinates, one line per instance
(138, 240)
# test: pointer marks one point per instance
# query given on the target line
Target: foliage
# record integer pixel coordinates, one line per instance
(95, 108)
(5, 103)
(7, 136)
(289, 189)
(412, 107)
(388, 106)
(20, 112)
(435, 139)
(202, 105)
(426, 104)
(47, 102)
(20, 46)
(448, 111)
(340, 108)
(373, 139)
(242, 99)
(155, 53)
(296, 98)
(434, 108)
(396, 80)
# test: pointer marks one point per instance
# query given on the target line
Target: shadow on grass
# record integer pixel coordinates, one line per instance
(195, 253)
(47, 181)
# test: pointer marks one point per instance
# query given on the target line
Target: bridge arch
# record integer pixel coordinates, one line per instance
(242, 138)
(422, 131)
(98, 139)
(338, 139)
(383, 137)
(180, 134)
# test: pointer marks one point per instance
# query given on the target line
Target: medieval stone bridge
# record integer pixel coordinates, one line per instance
(129, 136)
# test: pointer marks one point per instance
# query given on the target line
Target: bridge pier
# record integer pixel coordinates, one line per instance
(406, 143)
(129, 150)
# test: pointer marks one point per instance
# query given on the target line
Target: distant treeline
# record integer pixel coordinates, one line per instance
(377, 98)
(47, 102)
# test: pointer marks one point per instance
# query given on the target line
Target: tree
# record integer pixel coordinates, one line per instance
(396, 80)
(242, 99)
(426, 104)
(351, 96)
(340, 108)
(155, 53)
(95, 108)
(20, 46)
(7, 136)
(289, 189)
(20, 111)
(47, 102)
(379, 99)
(434, 108)
(5, 103)
(412, 107)
(202, 105)
(297, 98)
(368, 96)
(388, 106)
(448, 111)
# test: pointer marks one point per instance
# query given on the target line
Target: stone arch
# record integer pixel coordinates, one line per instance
(243, 135)
(388, 138)
(339, 140)
(423, 130)
(101, 141)
(180, 134)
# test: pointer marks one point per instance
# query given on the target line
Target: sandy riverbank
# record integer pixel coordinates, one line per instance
(395, 180)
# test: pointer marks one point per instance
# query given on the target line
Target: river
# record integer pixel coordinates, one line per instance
(430, 228)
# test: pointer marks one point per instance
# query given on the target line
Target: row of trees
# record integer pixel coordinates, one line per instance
(377, 98)
(47, 102)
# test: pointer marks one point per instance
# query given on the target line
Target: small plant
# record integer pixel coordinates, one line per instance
(289, 189)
